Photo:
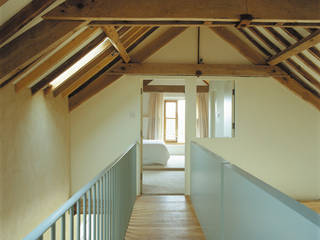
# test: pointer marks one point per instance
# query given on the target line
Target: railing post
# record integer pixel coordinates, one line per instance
(109, 205)
(105, 207)
(98, 210)
(94, 212)
(114, 212)
(53, 231)
(84, 212)
(63, 227)
(101, 212)
(71, 223)
(89, 213)
(78, 219)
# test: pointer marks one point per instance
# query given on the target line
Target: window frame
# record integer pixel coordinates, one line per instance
(165, 122)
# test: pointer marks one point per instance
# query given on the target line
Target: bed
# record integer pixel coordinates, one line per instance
(155, 152)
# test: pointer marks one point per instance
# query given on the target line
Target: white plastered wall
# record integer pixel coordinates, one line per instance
(34, 156)
(103, 128)
(277, 138)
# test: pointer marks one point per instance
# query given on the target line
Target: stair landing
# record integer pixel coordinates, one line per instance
(163, 217)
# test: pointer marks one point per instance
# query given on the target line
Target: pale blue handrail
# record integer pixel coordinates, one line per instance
(232, 204)
(124, 166)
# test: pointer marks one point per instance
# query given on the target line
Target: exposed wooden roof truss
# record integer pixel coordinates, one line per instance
(285, 48)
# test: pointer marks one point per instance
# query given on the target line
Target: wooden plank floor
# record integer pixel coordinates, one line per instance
(163, 217)
(314, 205)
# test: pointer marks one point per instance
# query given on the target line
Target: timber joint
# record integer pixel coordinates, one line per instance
(198, 73)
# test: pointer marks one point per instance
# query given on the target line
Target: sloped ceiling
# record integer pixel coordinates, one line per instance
(252, 43)
(212, 49)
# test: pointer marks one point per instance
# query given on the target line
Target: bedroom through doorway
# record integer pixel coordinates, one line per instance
(163, 138)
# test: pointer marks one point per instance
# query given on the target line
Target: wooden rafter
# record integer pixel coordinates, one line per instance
(254, 42)
(96, 65)
(105, 80)
(3, 2)
(23, 17)
(172, 88)
(23, 70)
(115, 40)
(287, 44)
(33, 43)
(55, 58)
(67, 64)
(172, 69)
(298, 37)
(253, 56)
(304, 73)
(290, 62)
(256, 58)
(206, 10)
(296, 48)
(199, 23)
(264, 39)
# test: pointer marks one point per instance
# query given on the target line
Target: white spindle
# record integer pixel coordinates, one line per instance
(53, 231)
(89, 213)
(78, 219)
(71, 222)
(63, 226)
(84, 214)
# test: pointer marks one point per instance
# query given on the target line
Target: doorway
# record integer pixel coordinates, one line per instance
(163, 114)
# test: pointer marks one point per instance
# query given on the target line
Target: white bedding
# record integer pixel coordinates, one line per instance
(155, 152)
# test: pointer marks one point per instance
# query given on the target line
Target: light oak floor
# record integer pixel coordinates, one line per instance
(163, 217)
(314, 205)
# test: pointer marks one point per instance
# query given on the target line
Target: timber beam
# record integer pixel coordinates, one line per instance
(197, 23)
(115, 40)
(203, 10)
(172, 88)
(34, 43)
(166, 69)
(22, 18)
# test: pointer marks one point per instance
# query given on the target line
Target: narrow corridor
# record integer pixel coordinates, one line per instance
(163, 217)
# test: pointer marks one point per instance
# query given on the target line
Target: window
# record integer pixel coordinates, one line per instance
(174, 121)
(81, 63)
(170, 121)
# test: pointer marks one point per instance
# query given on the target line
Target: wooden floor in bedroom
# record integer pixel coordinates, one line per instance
(163, 217)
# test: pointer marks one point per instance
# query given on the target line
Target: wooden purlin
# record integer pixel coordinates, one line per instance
(35, 42)
(22, 18)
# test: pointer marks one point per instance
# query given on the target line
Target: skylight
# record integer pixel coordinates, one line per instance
(81, 63)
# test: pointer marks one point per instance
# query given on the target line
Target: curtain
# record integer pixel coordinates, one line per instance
(155, 126)
(202, 115)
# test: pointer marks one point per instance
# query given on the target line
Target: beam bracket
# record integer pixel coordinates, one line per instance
(245, 20)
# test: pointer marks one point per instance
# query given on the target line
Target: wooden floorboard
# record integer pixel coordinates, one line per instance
(314, 205)
(163, 217)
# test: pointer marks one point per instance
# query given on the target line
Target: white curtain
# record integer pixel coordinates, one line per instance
(155, 126)
(202, 115)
